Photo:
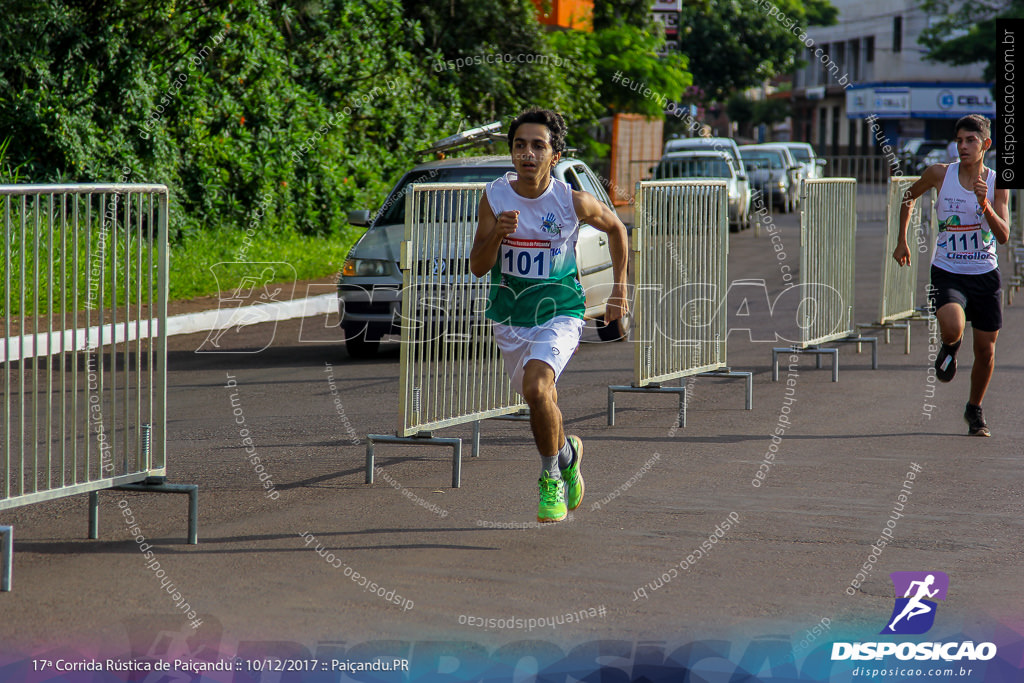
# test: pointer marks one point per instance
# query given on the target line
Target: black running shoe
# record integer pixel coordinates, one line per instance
(975, 421)
(945, 364)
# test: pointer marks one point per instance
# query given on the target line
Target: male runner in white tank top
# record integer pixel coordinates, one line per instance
(526, 238)
(965, 281)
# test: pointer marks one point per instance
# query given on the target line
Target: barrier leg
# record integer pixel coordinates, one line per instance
(748, 378)
(369, 458)
(6, 557)
(457, 465)
(775, 359)
(652, 389)
(94, 515)
(682, 408)
(476, 439)
(425, 440)
(193, 502)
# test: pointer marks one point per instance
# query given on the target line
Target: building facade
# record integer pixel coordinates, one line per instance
(870, 68)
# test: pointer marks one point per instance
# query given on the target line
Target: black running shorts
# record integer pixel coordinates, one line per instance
(979, 295)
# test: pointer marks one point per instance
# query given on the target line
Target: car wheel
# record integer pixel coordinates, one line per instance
(617, 330)
(360, 348)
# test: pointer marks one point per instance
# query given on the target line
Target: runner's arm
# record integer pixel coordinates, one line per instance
(593, 212)
(490, 231)
(997, 215)
(931, 178)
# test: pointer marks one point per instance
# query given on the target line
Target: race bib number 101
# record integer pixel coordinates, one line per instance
(526, 258)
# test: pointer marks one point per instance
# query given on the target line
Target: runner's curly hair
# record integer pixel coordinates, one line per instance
(552, 119)
(975, 123)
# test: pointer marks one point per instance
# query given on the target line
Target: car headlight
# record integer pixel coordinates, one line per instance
(363, 267)
(781, 183)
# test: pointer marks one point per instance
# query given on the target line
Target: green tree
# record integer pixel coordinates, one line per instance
(225, 102)
(611, 13)
(966, 32)
(499, 59)
(733, 45)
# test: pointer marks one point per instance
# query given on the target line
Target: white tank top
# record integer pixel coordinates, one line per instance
(965, 243)
(534, 278)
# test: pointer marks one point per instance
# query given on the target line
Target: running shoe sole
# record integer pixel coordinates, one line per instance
(573, 476)
(945, 364)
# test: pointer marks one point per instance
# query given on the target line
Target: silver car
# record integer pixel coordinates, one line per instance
(774, 173)
(726, 146)
(709, 165)
(370, 285)
(804, 155)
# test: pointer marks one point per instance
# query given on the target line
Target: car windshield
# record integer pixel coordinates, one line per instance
(393, 211)
(761, 160)
(800, 154)
(693, 167)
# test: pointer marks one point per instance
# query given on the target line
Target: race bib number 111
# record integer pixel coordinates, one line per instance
(526, 258)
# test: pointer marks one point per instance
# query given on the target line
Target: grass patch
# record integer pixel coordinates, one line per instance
(194, 263)
(54, 264)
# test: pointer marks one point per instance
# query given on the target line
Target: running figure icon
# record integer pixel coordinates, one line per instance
(915, 606)
(916, 595)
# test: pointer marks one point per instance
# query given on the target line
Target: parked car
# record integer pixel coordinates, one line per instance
(913, 152)
(707, 165)
(370, 285)
(722, 145)
(774, 172)
(803, 154)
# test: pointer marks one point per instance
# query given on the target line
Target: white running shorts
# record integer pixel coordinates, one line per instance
(553, 342)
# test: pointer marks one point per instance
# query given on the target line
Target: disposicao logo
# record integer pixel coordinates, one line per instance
(913, 614)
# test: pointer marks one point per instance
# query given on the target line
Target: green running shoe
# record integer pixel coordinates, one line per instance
(572, 476)
(552, 499)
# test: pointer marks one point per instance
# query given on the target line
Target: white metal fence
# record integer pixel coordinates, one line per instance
(680, 247)
(451, 371)
(872, 173)
(84, 307)
(828, 229)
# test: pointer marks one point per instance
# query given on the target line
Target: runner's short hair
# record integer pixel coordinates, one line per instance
(975, 123)
(552, 119)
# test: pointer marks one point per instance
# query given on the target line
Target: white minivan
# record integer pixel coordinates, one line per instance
(723, 145)
(370, 285)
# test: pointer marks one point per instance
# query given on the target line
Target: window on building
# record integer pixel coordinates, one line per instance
(854, 59)
(869, 49)
(835, 131)
(897, 34)
(822, 129)
(823, 64)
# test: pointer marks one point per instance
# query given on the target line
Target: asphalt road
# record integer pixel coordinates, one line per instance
(449, 559)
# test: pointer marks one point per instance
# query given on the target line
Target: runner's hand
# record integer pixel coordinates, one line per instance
(981, 188)
(617, 305)
(902, 254)
(507, 223)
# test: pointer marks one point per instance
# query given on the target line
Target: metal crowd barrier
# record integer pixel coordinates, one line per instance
(828, 228)
(681, 246)
(897, 302)
(872, 174)
(451, 371)
(1014, 277)
(84, 275)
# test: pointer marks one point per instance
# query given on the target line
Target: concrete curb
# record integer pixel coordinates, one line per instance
(48, 344)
